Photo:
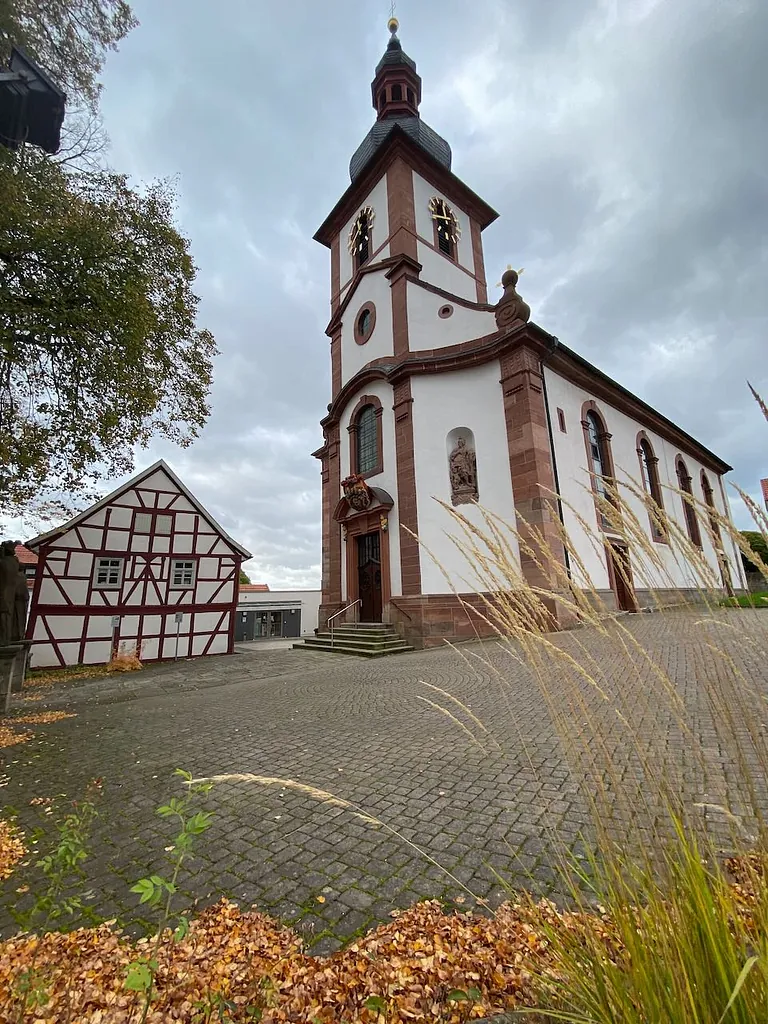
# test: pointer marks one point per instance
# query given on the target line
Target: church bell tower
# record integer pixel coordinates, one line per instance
(419, 374)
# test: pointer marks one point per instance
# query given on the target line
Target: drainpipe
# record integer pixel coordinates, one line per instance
(553, 346)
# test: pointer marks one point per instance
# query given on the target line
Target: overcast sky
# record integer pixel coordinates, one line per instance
(623, 143)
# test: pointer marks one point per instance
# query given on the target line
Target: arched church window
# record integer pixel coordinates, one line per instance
(446, 227)
(597, 451)
(709, 498)
(597, 441)
(367, 439)
(359, 241)
(691, 519)
(649, 466)
(397, 92)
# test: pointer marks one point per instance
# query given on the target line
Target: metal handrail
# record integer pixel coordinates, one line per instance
(337, 614)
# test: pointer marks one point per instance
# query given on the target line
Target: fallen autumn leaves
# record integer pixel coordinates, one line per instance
(10, 737)
(11, 848)
(414, 966)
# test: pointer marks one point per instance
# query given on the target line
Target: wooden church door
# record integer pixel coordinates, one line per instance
(369, 576)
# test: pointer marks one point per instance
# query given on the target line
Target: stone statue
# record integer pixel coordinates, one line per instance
(463, 471)
(9, 574)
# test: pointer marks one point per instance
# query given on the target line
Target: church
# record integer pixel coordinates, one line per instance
(437, 393)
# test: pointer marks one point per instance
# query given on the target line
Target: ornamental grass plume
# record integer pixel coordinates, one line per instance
(672, 773)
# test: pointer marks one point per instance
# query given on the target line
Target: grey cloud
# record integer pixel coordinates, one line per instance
(622, 144)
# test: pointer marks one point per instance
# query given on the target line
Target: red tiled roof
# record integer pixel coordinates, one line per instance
(254, 588)
(25, 556)
(764, 485)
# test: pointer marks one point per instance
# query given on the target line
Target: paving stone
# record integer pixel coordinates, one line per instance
(303, 716)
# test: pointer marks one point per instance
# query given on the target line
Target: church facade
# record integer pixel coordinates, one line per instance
(438, 394)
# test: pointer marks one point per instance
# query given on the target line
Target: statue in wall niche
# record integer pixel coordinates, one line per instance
(463, 471)
(9, 574)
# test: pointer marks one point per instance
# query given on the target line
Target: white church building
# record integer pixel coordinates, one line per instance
(437, 393)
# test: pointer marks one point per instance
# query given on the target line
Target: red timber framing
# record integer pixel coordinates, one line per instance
(116, 577)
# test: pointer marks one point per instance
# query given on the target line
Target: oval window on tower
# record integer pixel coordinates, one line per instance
(365, 321)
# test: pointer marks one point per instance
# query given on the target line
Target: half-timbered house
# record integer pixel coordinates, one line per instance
(146, 569)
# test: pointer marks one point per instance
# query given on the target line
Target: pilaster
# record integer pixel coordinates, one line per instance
(532, 473)
(410, 556)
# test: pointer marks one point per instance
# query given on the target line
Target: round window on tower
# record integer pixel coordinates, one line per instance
(365, 321)
(445, 311)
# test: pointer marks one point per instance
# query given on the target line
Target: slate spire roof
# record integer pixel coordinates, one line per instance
(396, 93)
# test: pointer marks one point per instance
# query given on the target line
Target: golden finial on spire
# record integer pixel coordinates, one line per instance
(393, 24)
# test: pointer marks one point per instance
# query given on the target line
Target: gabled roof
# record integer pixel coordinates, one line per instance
(254, 588)
(134, 482)
(24, 555)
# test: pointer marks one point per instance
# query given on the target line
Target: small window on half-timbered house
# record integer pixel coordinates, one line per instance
(108, 573)
(142, 522)
(182, 573)
(163, 525)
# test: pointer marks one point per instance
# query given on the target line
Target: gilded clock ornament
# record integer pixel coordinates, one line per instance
(445, 218)
(360, 230)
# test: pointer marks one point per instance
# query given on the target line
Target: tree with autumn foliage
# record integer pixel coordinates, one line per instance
(99, 346)
(69, 38)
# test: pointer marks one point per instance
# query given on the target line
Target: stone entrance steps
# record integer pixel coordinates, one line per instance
(364, 639)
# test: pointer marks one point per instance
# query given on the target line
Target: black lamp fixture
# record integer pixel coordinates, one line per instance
(31, 105)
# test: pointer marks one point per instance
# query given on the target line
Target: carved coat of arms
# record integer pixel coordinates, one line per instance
(357, 492)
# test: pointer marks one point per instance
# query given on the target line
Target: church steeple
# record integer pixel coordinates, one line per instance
(396, 95)
(396, 89)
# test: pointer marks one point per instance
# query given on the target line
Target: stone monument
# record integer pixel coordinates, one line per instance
(14, 598)
(463, 470)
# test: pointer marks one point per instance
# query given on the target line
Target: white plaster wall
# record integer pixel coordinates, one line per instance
(130, 498)
(373, 288)
(207, 568)
(81, 564)
(377, 200)
(99, 627)
(43, 656)
(93, 538)
(575, 489)
(63, 627)
(468, 398)
(124, 516)
(387, 479)
(426, 330)
(721, 489)
(422, 193)
(98, 652)
(439, 270)
(157, 481)
(70, 652)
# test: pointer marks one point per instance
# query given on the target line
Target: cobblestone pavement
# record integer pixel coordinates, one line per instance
(451, 796)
